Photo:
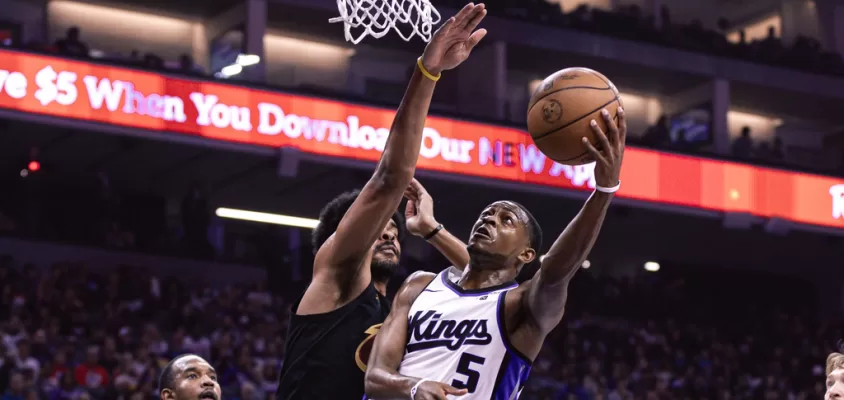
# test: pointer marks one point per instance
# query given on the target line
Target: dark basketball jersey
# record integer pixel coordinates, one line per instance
(326, 354)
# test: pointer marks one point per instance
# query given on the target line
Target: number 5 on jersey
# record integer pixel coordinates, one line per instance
(465, 367)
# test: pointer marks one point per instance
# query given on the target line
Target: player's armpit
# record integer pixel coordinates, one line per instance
(546, 293)
(382, 378)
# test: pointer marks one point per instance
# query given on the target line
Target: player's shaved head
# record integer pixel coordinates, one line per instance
(188, 377)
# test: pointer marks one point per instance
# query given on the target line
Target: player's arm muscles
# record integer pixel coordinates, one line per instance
(340, 259)
(382, 378)
(546, 293)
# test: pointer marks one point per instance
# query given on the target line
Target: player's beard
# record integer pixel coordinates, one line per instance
(383, 270)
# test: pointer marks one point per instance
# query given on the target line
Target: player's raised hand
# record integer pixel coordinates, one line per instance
(453, 41)
(430, 390)
(608, 159)
(419, 211)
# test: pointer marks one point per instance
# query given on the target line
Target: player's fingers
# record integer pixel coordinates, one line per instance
(603, 142)
(410, 209)
(475, 39)
(622, 126)
(416, 187)
(612, 128)
(409, 195)
(476, 18)
(453, 390)
(596, 155)
(461, 17)
(446, 26)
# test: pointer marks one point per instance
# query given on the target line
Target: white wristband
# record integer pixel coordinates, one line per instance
(608, 189)
(415, 388)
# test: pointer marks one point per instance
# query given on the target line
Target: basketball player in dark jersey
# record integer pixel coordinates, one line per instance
(358, 247)
(504, 239)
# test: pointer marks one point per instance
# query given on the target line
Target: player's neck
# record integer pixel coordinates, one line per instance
(480, 278)
(381, 287)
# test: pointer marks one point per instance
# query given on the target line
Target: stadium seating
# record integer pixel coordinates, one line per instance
(72, 333)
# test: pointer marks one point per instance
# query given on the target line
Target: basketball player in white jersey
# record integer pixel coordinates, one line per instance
(474, 336)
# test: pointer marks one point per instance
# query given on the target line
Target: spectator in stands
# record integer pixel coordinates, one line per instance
(771, 48)
(743, 145)
(658, 134)
(763, 151)
(91, 374)
(187, 66)
(153, 62)
(777, 152)
(247, 392)
(644, 338)
(16, 390)
(57, 369)
(71, 45)
(681, 143)
(25, 360)
(67, 389)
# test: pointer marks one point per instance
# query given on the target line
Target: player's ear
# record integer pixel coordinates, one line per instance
(167, 394)
(527, 256)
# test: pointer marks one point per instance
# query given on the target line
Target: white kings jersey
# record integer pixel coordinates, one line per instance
(457, 337)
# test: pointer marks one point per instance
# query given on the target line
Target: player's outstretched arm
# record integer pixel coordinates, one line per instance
(547, 292)
(419, 213)
(382, 378)
(340, 258)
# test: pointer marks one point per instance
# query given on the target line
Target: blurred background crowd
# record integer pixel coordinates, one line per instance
(70, 332)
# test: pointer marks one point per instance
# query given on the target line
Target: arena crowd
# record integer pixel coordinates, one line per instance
(71, 333)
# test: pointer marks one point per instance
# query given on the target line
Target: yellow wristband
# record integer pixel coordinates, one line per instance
(425, 71)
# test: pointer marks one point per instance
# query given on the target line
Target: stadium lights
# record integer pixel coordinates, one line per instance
(585, 265)
(243, 60)
(267, 218)
(246, 60)
(231, 70)
(651, 266)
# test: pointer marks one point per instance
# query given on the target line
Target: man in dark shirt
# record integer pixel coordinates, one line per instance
(357, 242)
(71, 45)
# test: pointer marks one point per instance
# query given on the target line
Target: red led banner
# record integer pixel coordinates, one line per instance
(145, 100)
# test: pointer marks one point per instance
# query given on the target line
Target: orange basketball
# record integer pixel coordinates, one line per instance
(562, 107)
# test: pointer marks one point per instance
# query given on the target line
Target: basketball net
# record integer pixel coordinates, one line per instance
(377, 17)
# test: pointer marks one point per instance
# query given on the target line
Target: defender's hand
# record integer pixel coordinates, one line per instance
(608, 159)
(419, 211)
(453, 41)
(430, 390)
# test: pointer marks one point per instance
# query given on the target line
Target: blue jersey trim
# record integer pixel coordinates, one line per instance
(474, 292)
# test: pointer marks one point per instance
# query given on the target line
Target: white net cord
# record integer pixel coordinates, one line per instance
(376, 17)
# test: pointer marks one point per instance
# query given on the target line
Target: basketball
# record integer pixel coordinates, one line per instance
(561, 109)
